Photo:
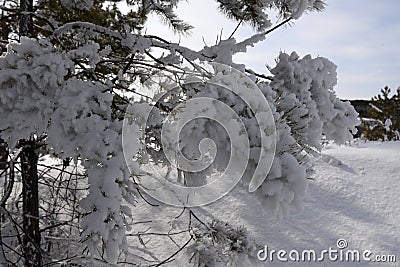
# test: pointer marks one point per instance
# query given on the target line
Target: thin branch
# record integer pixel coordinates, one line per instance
(278, 25)
(237, 27)
(173, 255)
(258, 75)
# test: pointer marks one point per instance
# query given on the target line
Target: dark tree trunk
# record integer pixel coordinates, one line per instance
(25, 20)
(30, 197)
(29, 161)
(3, 155)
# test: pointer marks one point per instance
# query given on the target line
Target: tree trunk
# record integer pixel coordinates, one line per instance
(26, 21)
(30, 198)
(29, 161)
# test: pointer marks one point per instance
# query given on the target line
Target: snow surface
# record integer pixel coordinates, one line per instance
(354, 196)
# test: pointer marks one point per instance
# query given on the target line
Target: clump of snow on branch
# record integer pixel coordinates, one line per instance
(75, 115)
(310, 83)
(302, 97)
(31, 75)
(220, 244)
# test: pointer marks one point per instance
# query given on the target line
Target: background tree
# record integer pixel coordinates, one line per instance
(385, 112)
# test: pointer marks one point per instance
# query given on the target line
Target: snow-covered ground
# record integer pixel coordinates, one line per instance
(355, 196)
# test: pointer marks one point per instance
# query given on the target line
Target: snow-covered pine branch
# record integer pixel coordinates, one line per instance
(73, 83)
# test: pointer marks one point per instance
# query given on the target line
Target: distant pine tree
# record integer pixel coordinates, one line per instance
(386, 113)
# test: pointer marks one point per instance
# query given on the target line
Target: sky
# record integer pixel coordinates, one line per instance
(361, 37)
